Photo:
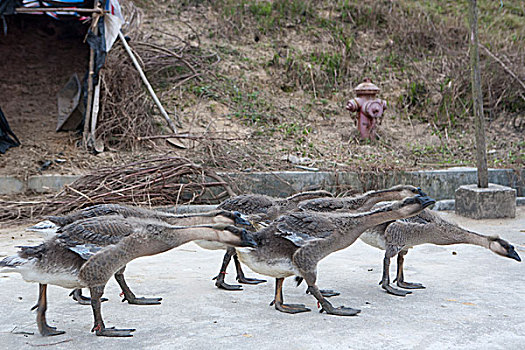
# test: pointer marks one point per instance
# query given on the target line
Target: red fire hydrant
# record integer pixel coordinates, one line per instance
(369, 109)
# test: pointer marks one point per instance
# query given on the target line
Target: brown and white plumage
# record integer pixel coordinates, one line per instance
(426, 227)
(106, 232)
(81, 256)
(269, 208)
(260, 208)
(294, 243)
(361, 202)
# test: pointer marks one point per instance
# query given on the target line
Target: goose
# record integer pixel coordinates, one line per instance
(426, 227)
(363, 202)
(75, 259)
(53, 224)
(294, 243)
(260, 208)
(264, 208)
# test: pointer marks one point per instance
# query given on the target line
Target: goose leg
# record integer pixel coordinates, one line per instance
(219, 283)
(327, 307)
(327, 293)
(129, 296)
(44, 329)
(401, 276)
(279, 301)
(99, 328)
(240, 274)
(76, 294)
(385, 281)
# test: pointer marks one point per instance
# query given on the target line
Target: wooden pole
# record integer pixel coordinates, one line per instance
(146, 82)
(477, 99)
(87, 119)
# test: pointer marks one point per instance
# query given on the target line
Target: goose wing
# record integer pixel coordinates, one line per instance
(85, 251)
(321, 204)
(303, 228)
(248, 204)
(99, 231)
(425, 217)
(93, 211)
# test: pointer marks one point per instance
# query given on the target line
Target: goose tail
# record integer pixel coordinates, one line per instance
(298, 280)
(44, 228)
(11, 263)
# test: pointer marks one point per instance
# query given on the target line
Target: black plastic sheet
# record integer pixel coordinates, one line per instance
(7, 138)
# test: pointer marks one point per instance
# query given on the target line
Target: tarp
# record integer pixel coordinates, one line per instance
(7, 6)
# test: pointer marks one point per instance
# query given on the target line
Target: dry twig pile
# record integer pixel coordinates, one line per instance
(127, 110)
(153, 182)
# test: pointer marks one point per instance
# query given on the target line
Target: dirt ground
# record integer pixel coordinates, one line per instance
(38, 59)
(39, 55)
(473, 300)
(242, 100)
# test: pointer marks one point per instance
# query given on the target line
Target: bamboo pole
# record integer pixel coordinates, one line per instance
(98, 145)
(146, 82)
(58, 9)
(477, 99)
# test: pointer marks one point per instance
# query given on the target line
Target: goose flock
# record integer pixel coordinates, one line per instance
(278, 238)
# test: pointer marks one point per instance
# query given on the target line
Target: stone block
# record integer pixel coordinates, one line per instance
(493, 202)
(445, 204)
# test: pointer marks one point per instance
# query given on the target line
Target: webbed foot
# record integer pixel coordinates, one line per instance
(247, 280)
(327, 293)
(49, 331)
(141, 301)
(340, 311)
(409, 285)
(219, 283)
(290, 308)
(390, 290)
(112, 332)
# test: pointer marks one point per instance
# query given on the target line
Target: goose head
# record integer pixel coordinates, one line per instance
(503, 248)
(238, 237)
(413, 205)
(234, 218)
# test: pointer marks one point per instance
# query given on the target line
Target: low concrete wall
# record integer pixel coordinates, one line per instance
(11, 185)
(440, 184)
(49, 183)
(286, 183)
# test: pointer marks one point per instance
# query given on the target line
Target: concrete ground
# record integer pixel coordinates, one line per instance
(474, 300)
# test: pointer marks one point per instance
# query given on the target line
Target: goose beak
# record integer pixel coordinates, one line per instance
(425, 200)
(248, 240)
(513, 255)
(421, 193)
(240, 220)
